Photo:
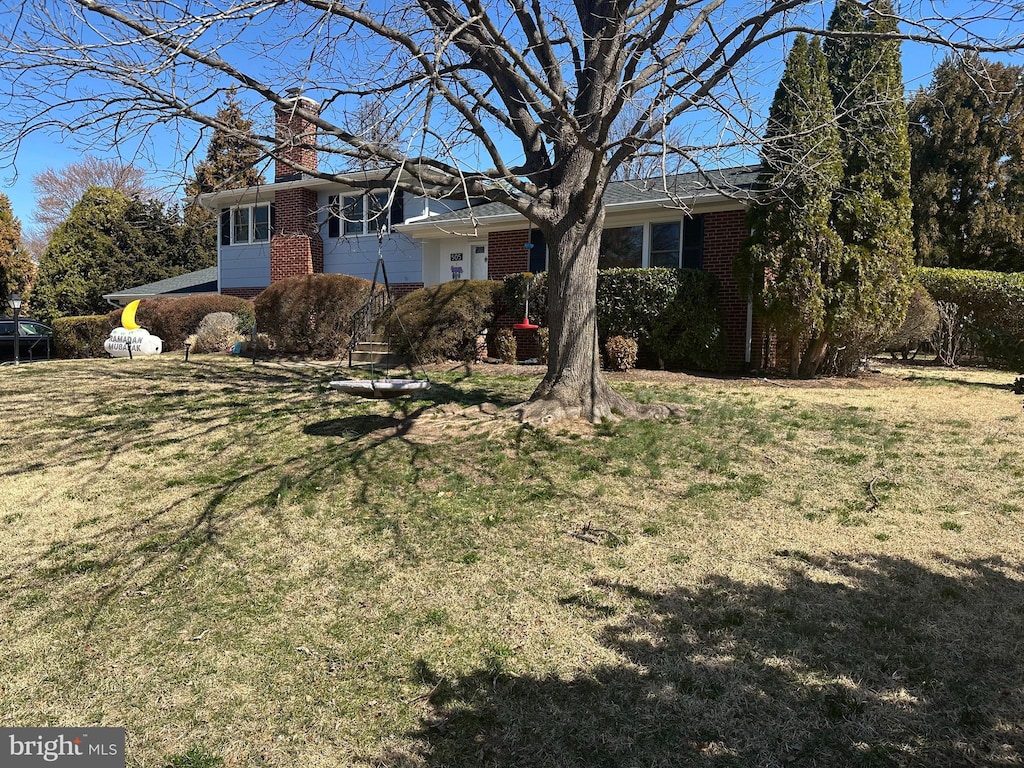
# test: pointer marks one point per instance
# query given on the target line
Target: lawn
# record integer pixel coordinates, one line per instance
(244, 568)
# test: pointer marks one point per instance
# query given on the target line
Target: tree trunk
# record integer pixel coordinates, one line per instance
(814, 355)
(574, 386)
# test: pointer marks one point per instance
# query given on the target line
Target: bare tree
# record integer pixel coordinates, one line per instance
(513, 102)
(58, 189)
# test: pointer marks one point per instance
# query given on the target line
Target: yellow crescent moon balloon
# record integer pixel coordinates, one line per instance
(128, 316)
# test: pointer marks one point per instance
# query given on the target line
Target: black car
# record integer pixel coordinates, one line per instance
(35, 340)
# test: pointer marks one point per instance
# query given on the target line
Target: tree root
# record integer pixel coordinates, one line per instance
(553, 408)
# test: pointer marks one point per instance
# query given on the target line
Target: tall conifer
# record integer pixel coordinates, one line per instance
(871, 209)
(967, 139)
(231, 163)
(16, 267)
(792, 242)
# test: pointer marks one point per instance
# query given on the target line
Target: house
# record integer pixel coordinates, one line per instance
(690, 220)
(299, 224)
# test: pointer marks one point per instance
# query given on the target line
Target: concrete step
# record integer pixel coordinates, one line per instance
(374, 354)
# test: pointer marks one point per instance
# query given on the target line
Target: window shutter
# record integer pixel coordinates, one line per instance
(693, 242)
(273, 219)
(225, 226)
(398, 208)
(333, 217)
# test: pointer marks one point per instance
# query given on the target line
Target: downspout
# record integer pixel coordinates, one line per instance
(750, 320)
(750, 331)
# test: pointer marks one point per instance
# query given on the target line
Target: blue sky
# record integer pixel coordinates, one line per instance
(161, 152)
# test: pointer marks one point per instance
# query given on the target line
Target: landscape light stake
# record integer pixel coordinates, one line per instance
(187, 347)
(15, 301)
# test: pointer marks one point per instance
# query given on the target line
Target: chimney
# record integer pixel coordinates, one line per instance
(296, 247)
(296, 135)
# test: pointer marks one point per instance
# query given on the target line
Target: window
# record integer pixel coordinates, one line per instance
(622, 247)
(245, 224)
(671, 244)
(361, 214)
(665, 244)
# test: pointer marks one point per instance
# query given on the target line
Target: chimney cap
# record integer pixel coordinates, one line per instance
(294, 98)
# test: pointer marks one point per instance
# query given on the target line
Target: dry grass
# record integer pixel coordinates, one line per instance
(239, 565)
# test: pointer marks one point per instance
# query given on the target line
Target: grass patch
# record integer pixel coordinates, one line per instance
(245, 568)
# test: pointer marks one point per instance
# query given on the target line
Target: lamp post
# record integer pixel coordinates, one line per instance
(15, 301)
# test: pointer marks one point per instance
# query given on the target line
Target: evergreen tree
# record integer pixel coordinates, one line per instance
(16, 268)
(108, 243)
(792, 242)
(230, 157)
(967, 166)
(871, 209)
(230, 164)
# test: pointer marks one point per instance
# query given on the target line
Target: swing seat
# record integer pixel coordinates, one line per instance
(383, 389)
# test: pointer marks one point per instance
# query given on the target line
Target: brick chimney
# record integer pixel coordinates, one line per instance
(296, 135)
(296, 247)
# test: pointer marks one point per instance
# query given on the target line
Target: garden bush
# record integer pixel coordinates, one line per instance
(621, 352)
(672, 313)
(543, 344)
(217, 332)
(311, 315)
(505, 346)
(991, 305)
(921, 322)
(174, 319)
(441, 322)
(83, 335)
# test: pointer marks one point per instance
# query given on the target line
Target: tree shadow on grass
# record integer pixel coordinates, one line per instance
(847, 662)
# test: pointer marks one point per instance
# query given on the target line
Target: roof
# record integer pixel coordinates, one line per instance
(681, 190)
(200, 281)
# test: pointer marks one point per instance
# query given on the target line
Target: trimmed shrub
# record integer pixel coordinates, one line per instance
(311, 315)
(441, 322)
(673, 314)
(543, 344)
(688, 332)
(83, 335)
(505, 346)
(217, 332)
(920, 323)
(991, 305)
(621, 353)
(174, 319)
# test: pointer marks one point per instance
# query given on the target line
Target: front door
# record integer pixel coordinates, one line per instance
(479, 263)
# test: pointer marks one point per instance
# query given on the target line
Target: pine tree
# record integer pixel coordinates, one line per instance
(231, 163)
(792, 242)
(108, 243)
(871, 210)
(16, 268)
(967, 166)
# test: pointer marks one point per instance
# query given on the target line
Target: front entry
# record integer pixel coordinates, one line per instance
(479, 261)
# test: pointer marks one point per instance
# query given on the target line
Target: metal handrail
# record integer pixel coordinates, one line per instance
(364, 318)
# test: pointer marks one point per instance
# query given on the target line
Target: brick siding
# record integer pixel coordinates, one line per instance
(242, 293)
(724, 233)
(506, 253)
(296, 247)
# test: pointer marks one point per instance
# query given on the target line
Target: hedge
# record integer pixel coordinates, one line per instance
(673, 314)
(992, 304)
(83, 335)
(175, 319)
(442, 322)
(311, 315)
